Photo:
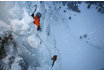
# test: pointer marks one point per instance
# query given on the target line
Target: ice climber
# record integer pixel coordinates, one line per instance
(54, 58)
(37, 20)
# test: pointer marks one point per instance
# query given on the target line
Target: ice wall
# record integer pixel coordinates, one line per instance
(23, 46)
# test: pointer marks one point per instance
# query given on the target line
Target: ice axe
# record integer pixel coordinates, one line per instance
(34, 10)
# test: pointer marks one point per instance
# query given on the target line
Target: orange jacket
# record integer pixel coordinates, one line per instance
(36, 21)
(54, 58)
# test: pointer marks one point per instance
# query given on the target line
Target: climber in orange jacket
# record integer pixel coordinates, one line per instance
(37, 20)
(54, 58)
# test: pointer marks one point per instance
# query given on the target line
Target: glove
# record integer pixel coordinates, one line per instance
(38, 28)
(32, 15)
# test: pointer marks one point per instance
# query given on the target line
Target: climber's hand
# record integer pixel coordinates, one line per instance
(32, 15)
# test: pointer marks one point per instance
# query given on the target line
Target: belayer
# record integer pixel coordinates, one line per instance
(37, 20)
(54, 58)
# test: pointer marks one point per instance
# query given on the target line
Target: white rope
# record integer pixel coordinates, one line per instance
(44, 44)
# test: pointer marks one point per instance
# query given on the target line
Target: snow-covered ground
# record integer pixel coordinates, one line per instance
(78, 40)
(86, 53)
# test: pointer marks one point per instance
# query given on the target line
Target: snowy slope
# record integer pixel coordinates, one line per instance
(79, 39)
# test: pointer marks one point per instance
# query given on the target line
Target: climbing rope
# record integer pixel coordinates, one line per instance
(44, 44)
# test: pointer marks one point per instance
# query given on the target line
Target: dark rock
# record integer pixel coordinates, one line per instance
(99, 5)
(73, 6)
(85, 35)
(2, 65)
(23, 64)
(0, 38)
(60, 7)
(102, 69)
(70, 17)
(80, 37)
(3, 42)
(64, 10)
(11, 60)
(64, 3)
(89, 6)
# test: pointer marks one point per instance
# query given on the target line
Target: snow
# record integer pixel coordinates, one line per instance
(76, 53)
(32, 50)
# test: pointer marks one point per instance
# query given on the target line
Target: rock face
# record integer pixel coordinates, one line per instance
(74, 5)
(9, 53)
